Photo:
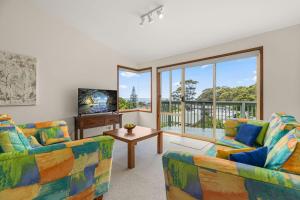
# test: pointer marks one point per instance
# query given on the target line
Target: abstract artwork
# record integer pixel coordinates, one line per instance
(17, 79)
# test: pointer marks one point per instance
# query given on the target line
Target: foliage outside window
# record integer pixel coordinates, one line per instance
(224, 93)
(197, 98)
(134, 89)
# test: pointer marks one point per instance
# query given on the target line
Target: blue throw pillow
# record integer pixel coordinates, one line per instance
(256, 157)
(247, 134)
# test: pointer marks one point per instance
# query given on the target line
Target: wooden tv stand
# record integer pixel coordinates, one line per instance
(94, 121)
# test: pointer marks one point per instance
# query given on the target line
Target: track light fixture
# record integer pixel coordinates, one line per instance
(160, 13)
(149, 15)
(150, 19)
(142, 21)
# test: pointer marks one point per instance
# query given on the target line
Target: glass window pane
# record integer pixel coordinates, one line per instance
(236, 89)
(199, 101)
(134, 90)
(143, 91)
(176, 85)
(165, 91)
(171, 101)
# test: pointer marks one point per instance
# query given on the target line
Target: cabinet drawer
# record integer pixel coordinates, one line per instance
(111, 121)
(92, 122)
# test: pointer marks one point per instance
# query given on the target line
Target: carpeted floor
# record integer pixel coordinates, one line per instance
(146, 180)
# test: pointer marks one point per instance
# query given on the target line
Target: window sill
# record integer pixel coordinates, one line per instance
(136, 110)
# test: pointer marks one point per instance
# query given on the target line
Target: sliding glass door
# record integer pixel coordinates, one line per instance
(171, 104)
(236, 90)
(196, 98)
(199, 110)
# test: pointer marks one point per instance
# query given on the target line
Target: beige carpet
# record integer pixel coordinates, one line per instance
(146, 180)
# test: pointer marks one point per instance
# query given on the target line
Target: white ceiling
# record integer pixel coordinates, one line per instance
(188, 24)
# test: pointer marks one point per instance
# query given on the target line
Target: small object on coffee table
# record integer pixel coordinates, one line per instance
(129, 128)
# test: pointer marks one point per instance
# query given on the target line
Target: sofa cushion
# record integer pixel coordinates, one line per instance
(33, 142)
(292, 165)
(279, 126)
(231, 126)
(8, 122)
(256, 157)
(6, 119)
(230, 142)
(261, 136)
(282, 150)
(224, 153)
(23, 138)
(43, 131)
(57, 140)
(11, 140)
(247, 134)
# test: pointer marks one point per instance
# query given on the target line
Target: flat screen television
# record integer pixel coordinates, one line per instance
(91, 101)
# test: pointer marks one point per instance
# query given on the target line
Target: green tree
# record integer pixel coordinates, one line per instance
(207, 95)
(133, 98)
(190, 91)
(241, 93)
(123, 104)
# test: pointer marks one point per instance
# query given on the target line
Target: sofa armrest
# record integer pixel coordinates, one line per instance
(103, 143)
(203, 177)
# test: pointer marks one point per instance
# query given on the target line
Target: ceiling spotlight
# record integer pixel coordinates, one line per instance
(149, 15)
(150, 19)
(160, 13)
(142, 21)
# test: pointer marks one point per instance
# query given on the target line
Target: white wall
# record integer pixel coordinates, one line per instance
(281, 70)
(67, 60)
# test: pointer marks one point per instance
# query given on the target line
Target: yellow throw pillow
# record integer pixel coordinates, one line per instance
(33, 142)
(224, 154)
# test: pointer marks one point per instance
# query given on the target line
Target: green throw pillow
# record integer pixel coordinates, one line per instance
(261, 136)
(11, 140)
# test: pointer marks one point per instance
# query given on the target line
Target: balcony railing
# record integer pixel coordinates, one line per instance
(199, 114)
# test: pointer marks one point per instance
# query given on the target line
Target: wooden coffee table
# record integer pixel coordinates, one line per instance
(139, 134)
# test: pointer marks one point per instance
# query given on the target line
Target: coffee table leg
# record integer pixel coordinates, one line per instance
(160, 143)
(131, 155)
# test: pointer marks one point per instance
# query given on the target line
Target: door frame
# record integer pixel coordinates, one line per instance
(260, 76)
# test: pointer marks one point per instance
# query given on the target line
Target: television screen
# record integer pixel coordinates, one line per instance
(96, 101)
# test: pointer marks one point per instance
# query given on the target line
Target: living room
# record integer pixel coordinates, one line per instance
(228, 65)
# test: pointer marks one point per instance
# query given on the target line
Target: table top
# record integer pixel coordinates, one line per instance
(138, 133)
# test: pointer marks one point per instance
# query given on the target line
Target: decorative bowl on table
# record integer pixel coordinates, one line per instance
(129, 127)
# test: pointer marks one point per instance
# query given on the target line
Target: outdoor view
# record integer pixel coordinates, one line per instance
(134, 90)
(235, 96)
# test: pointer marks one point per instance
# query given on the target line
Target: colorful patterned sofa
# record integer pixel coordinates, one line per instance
(191, 177)
(65, 170)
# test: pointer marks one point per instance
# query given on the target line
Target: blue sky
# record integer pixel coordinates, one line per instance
(241, 72)
(141, 81)
(233, 73)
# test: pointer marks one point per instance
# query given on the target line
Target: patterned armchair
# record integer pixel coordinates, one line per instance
(66, 170)
(207, 177)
